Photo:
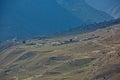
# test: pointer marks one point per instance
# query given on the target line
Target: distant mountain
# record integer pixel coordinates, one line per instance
(29, 18)
(112, 7)
(85, 12)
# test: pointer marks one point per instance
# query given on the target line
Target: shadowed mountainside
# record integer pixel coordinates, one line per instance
(28, 18)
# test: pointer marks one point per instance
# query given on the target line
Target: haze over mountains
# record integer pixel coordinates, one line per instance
(112, 7)
(81, 9)
(34, 17)
(28, 18)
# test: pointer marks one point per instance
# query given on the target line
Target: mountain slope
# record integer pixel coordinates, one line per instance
(29, 18)
(85, 12)
(85, 28)
(94, 56)
(111, 7)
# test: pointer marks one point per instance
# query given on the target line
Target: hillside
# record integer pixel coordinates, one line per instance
(84, 11)
(30, 18)
(85, 28)
(90, 56)
(111, 7)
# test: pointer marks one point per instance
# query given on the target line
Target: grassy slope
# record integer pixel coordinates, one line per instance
(94, 59)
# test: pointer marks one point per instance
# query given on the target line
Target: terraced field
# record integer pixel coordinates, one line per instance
(94, 56)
